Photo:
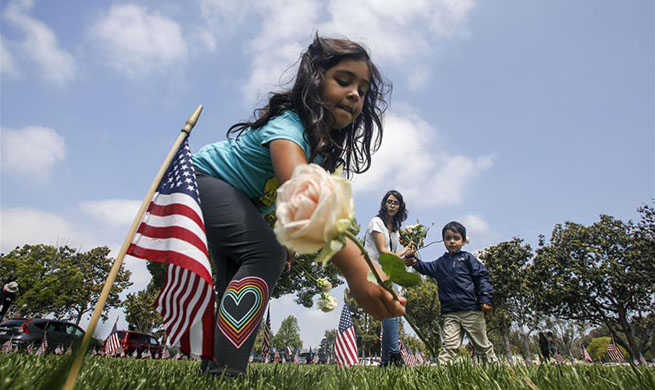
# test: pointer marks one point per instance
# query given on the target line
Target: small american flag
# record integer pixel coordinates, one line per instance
(276, 357)
(7, 346)
(43, 348)
(113, 344)
(173, 232)
(408, 358)
(586, 355)
(266, 344)
(615, 353)
(420, 360)
(642, 359)
(346, 344)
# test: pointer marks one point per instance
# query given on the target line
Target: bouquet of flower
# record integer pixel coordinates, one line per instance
(414, 234)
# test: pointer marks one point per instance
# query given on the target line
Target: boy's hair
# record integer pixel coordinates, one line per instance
(401, 214)
(456, 227)
(351, 146)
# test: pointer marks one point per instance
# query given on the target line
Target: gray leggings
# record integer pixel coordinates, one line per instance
(248, 263)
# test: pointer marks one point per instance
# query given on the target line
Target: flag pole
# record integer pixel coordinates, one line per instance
(79, 355)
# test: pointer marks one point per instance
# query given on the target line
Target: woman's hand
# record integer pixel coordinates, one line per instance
(409, 260)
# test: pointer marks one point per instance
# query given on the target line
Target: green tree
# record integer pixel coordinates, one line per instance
(60, 280)
(507, 263)
(288, 334)
(93, 268)
(600, 274)
(140, 313)
(598, 349)
(424, 310)
(328, 342)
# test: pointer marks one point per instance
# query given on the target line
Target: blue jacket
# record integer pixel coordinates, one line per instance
(463, 281)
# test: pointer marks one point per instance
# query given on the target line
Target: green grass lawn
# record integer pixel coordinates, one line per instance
(28, 372)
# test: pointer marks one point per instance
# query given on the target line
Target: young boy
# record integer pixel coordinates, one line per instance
(464, 292)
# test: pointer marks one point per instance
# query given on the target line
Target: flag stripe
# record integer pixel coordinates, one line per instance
(172, 257)
(173, 231)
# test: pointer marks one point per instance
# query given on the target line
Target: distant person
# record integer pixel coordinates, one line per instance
(464, 293)
(7, 297)
(382, 236)
(552, 344)
(544, 347)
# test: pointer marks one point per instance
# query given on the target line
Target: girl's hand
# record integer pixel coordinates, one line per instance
(374, 299)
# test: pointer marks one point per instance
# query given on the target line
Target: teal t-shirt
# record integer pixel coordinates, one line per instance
(245, 162)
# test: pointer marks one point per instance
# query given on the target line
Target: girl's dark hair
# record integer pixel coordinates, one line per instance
(351, 146)
(400, 216)
(456, 227)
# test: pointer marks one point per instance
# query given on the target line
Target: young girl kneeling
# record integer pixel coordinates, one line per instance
(331, 116)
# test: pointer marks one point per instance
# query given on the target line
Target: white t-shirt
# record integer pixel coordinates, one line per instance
(376, 225)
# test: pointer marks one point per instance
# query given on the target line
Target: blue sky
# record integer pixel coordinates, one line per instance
(508, 116)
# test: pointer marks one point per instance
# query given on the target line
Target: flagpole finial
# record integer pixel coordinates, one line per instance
(192, 120)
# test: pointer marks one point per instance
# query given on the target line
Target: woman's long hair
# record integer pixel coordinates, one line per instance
(351, 146)
(400, 216)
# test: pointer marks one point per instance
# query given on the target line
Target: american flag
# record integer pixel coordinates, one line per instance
(276, 357)
(420, 360)
(287, 350)
(408, 358)
(7, 346)
(266, 344)
(173, 232)
(586, 355)
(43, 348)
(113, 343)
(615, 353)
(346, 344)
(642, 360)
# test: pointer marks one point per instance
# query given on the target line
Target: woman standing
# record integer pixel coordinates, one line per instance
(382, 236)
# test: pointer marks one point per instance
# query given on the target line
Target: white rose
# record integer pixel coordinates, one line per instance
(326, 303)
(312, 209)
(323, 284)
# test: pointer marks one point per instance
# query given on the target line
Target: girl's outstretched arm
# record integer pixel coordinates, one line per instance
(375, 300)
(372, 298)
(285, 155)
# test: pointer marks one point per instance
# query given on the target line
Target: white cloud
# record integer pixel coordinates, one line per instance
(22, 226)
(39, 44)
(286, 28)
(7, 63)
(32, 151)
(115, 212)
(136, 42)
(412, 158)
(221, 18)
(475, 224)
(399, 33)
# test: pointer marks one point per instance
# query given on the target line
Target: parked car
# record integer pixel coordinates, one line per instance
(140, 342)
(25, 331)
